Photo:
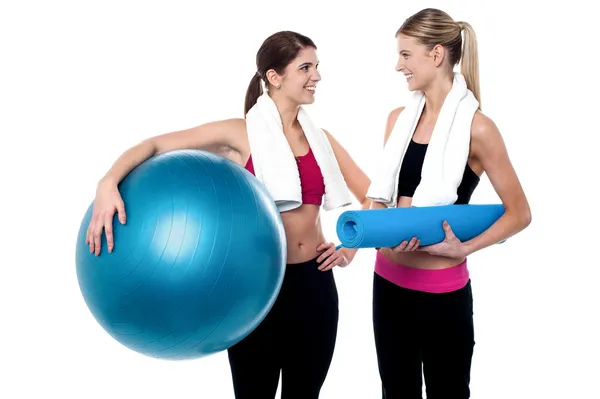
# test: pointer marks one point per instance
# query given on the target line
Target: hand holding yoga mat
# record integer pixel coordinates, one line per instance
(388, 227)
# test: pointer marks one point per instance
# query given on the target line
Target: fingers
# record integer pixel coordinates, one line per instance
(330, 258)
(101, 222)
(447, 229)
(121, 212)
(330, 250)
(331, 262)
(413, 244)
(108, 229)
(406, 246)
(401, 247)
(96, 235)
(324, 246)
(108, 200)
(87, 234)
(90, 234)
(88, 237)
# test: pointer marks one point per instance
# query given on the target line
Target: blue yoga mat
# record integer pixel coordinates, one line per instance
(388, 227)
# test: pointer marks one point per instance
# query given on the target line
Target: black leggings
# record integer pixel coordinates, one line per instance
(419, 333)
(297, 338)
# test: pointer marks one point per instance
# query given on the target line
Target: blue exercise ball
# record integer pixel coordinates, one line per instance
(198, 264)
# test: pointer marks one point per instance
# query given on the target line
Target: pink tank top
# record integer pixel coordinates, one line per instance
(311, 178)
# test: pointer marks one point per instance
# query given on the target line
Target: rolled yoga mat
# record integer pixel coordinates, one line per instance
(374, 228)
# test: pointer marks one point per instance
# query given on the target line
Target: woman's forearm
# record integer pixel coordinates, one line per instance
(128, 161)
(509, 224)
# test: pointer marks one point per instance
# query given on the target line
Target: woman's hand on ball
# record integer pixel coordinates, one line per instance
(332, 258)
(108, 200)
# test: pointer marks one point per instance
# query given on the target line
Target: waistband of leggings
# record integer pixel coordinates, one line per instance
(434, 281)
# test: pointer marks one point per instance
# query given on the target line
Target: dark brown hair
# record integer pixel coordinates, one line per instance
(276, 52)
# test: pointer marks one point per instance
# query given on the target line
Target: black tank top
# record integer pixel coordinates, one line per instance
(410, 174)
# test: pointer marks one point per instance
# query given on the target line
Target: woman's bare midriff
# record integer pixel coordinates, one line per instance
(304, 233)
(418, 260)
(302, 225)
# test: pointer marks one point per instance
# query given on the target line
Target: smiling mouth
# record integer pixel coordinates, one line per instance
(408, 76)
(310, 88)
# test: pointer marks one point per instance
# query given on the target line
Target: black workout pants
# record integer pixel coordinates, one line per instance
(419, 333)
(297, 338)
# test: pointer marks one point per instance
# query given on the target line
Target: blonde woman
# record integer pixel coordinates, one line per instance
(422, 299)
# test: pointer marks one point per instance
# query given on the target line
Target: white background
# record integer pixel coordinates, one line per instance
(82, 81)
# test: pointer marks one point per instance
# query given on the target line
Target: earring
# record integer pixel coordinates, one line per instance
(277, 86)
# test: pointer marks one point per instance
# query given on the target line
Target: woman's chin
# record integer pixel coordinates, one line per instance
(412, 85)
(308, 98)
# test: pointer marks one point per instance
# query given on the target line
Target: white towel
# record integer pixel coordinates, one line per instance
(446, 155)
(274, 162)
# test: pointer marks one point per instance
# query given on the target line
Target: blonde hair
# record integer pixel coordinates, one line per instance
(431, 27)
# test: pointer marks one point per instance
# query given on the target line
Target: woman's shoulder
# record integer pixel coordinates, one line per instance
(394, 114)
(486, 139)
(483, 127)
(391, 121)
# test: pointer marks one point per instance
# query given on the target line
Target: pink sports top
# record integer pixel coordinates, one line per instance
(311, 179)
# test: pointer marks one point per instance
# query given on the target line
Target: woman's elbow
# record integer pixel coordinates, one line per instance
(519, 214)
(523, 215)
(526, 217)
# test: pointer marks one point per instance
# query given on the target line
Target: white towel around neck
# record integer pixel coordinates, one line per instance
(274, 162)
(447, 152)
